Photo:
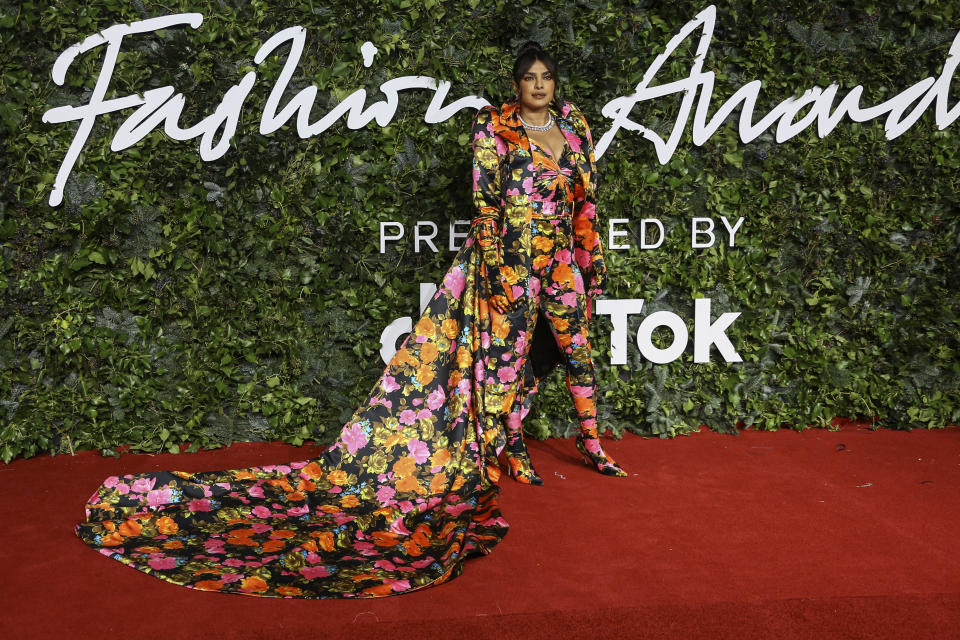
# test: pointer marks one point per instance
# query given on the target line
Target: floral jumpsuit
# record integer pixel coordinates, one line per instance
(518, 182)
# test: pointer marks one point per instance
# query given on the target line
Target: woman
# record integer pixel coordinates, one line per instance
(534, 186)
(407, 491)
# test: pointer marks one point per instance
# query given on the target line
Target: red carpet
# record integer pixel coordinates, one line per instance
(847, 534)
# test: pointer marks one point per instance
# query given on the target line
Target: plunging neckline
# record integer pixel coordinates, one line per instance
(546, 148)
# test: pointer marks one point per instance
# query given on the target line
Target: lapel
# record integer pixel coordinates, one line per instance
(509, 126)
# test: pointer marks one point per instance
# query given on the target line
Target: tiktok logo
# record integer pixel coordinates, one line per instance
(706, 334)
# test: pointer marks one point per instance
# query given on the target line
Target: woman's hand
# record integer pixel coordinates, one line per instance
(497, 291)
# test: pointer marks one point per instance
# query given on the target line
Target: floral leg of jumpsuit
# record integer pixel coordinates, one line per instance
(557, 289)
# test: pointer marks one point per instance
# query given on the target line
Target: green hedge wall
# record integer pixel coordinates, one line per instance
(170, 300)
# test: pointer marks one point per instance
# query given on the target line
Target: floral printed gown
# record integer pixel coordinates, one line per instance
(405, 494)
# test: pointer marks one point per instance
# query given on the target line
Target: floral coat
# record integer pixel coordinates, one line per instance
(406, 492)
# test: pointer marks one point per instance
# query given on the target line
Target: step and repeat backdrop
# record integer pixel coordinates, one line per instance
(219, 218)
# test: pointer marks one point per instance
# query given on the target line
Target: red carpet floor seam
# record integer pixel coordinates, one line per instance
(851, 533)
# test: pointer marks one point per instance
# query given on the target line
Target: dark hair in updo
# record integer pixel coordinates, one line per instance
(530, 52)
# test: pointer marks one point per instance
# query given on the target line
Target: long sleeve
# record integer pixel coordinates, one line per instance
(588, 250)
(487, 224)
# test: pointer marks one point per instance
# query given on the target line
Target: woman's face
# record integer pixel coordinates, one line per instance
(536, 87)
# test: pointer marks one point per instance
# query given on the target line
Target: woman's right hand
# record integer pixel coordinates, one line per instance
(496, 291)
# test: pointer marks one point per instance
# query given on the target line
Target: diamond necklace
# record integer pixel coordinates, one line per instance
(538, 127)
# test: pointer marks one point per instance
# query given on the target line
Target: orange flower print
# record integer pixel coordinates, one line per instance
(428, 352)
(289, 591)
(425, 327)
(130, 528)
(425, 375)
(438, 482)
(272, 545)
(167, 525)
(325, 540)
(112, 540)
(563, 275)
(313, 470)
(408, 484)
(208, 585)
(450, 328)
(337, 476)
(349, 500)
(542, 243)
(405, 466)
(385, 539)
(440, 458)
(253, 584)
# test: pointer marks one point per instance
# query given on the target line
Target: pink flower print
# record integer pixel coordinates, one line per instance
(389, 384)
(408, 416)
(581, 392)
(425, 562)
(506, 374)
(574, 142)
(513, 192)
(417, 402)
(231, 577)
(159, 497)
(398, 585)
(582, 257)
(463, 387)
(476, 178)
(233, 562)
(419, 450)
(213, 546)
(593, 445)
(385, 494)
(111, 482)
(123, 488)
(563, 256)
(260, 527)
(398, 527)
(298, 511)
(424, 414)
(588, 210)
(485, 339)
(162, 564)
(569, 299)
(201, 504)
(311, 573)
(142, 485)
(579, 340)
(260, 511)
(256, 491)
(501, 146)
(421, 339)
(456, 509)
(517, 291)
(386, 565)
(355, 438)
(513, 420)
(527, 185)
(436, 399)
(454, 281)
(406, 506)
